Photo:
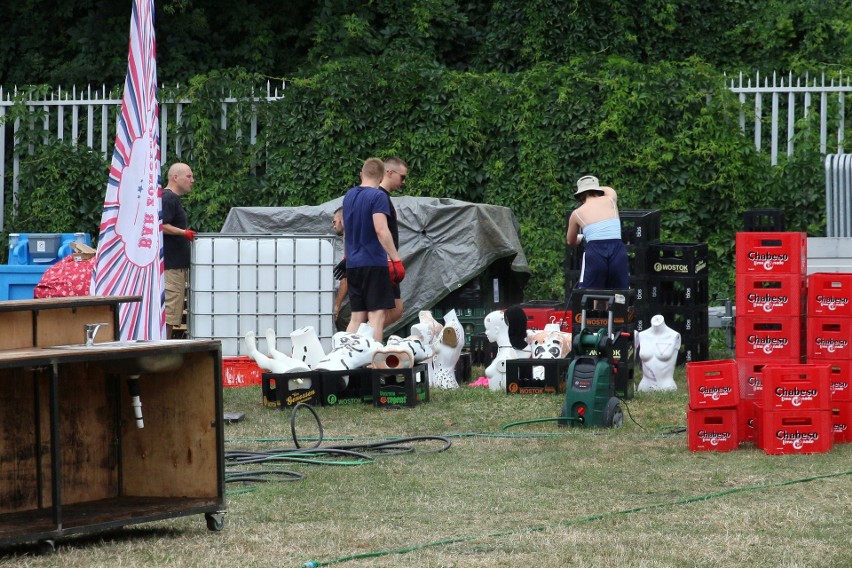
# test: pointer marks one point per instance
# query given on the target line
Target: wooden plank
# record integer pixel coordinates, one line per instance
(88, 430)
(176, 453)
(67, 326)
(17, 330)
(18, 484)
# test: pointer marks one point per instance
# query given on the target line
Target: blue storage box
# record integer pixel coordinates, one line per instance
(19, 282)
(43, 248)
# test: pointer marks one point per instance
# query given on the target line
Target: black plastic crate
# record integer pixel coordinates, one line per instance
(289, 389)
(463, 368)
(597, 312)
(678, 259)
(482, 351)
(639, 226)
(763, 221)
(574, 257)
(642, 285)
(675, 291)
(520, 376)
(346, 387)
(688, 322)
(639, 260)
(694, 349)
(572, 278)
(400, 387)
(624, 381)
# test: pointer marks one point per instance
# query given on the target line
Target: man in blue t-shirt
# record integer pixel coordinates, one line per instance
(373, 264)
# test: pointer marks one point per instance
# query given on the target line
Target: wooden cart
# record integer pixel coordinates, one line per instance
(72, 458)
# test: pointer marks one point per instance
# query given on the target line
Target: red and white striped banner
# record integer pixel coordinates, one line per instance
(130, 245)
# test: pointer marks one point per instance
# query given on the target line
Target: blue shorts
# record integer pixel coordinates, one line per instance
(604, 266)
(370, 288)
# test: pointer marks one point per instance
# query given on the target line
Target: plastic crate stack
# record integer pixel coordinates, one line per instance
(670, 280)
(829, 341)
(771, 276)
(679, 291)
(712, 414)
(785, 402)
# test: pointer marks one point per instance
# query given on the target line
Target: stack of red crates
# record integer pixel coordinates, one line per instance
(712, 414)
(829, 340)
(794, 415)
(771, 300)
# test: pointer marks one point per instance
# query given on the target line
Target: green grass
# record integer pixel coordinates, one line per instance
(536, 495)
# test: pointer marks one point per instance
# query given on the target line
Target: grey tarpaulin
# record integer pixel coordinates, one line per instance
(444, 243)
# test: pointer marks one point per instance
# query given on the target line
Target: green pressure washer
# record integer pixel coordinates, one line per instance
(589, 386)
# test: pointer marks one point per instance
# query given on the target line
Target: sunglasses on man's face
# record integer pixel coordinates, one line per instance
(401, 176)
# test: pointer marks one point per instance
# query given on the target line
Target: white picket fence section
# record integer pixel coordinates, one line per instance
(799, 99)
(93, 117)
(91, 114)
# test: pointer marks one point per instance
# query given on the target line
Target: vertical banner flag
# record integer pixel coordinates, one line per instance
(130, 259)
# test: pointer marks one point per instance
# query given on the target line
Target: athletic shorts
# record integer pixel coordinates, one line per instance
(604, 266)
(370, 289)
(176, 279)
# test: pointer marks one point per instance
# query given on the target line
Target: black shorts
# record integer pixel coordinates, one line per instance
(370, 289)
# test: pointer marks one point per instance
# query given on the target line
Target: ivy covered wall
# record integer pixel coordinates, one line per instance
(665, 136)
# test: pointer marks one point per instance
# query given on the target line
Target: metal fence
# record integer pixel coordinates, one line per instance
(838, 195)
(798, 99)
(89, 117)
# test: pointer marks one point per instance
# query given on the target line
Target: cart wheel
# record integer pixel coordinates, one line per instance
(613, 414)
(46, 547)
(215, 521)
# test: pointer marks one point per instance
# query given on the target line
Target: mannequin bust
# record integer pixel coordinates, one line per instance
(497, 330)
(657, 348)
(448, 344)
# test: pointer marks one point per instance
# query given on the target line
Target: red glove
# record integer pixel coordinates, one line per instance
(397, 271)
(189, 234)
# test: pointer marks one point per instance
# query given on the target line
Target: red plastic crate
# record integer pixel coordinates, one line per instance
(829, 338)
(839, 378)
(841, 422)
(796, 387)
(747, 420)
(751, 377)
(240, 372)
(778, 338)
(761, 294)
(829, 294)
(776, 253)
(713, 384)
(712, 429)
(786, 432)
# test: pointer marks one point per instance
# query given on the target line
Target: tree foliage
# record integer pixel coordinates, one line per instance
(84, 41)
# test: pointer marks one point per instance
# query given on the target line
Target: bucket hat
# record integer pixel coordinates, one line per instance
(587, 183)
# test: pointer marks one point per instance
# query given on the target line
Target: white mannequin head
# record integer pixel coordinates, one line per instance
(496, 327)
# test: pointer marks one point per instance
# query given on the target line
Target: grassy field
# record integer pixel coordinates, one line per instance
(533, 495)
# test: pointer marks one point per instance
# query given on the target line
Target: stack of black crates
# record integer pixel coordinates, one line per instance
(670, 280)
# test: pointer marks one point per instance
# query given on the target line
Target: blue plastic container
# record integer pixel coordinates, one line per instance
(19, 282)
(42, 248)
